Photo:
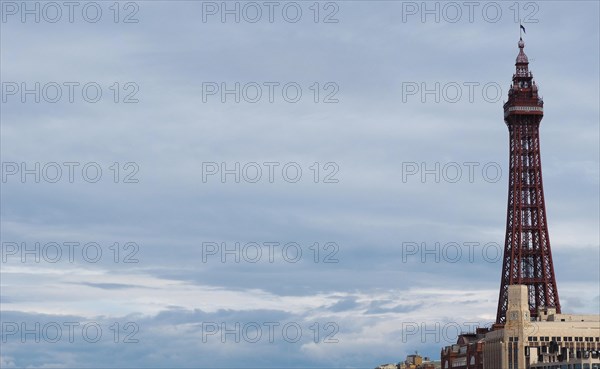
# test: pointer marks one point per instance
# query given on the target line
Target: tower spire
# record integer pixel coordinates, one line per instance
(527, 254)
(522, 63)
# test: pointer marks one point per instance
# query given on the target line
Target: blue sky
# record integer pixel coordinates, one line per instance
(375, 288)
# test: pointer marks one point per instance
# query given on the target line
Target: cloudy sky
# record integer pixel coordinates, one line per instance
(278, 184)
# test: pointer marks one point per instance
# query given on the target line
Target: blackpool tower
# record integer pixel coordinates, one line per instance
(527, 256)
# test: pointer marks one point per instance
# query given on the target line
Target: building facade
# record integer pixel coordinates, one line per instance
(550, 341)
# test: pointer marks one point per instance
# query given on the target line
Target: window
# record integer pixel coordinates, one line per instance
(510, 356)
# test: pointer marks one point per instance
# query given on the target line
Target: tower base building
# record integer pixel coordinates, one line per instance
(549, 341)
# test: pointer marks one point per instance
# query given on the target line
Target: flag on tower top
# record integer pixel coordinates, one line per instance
(523, 28)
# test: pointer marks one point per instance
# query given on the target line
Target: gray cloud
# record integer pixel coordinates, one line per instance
(371, 291)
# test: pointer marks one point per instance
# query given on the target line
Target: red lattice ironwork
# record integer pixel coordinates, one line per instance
(527, 254)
